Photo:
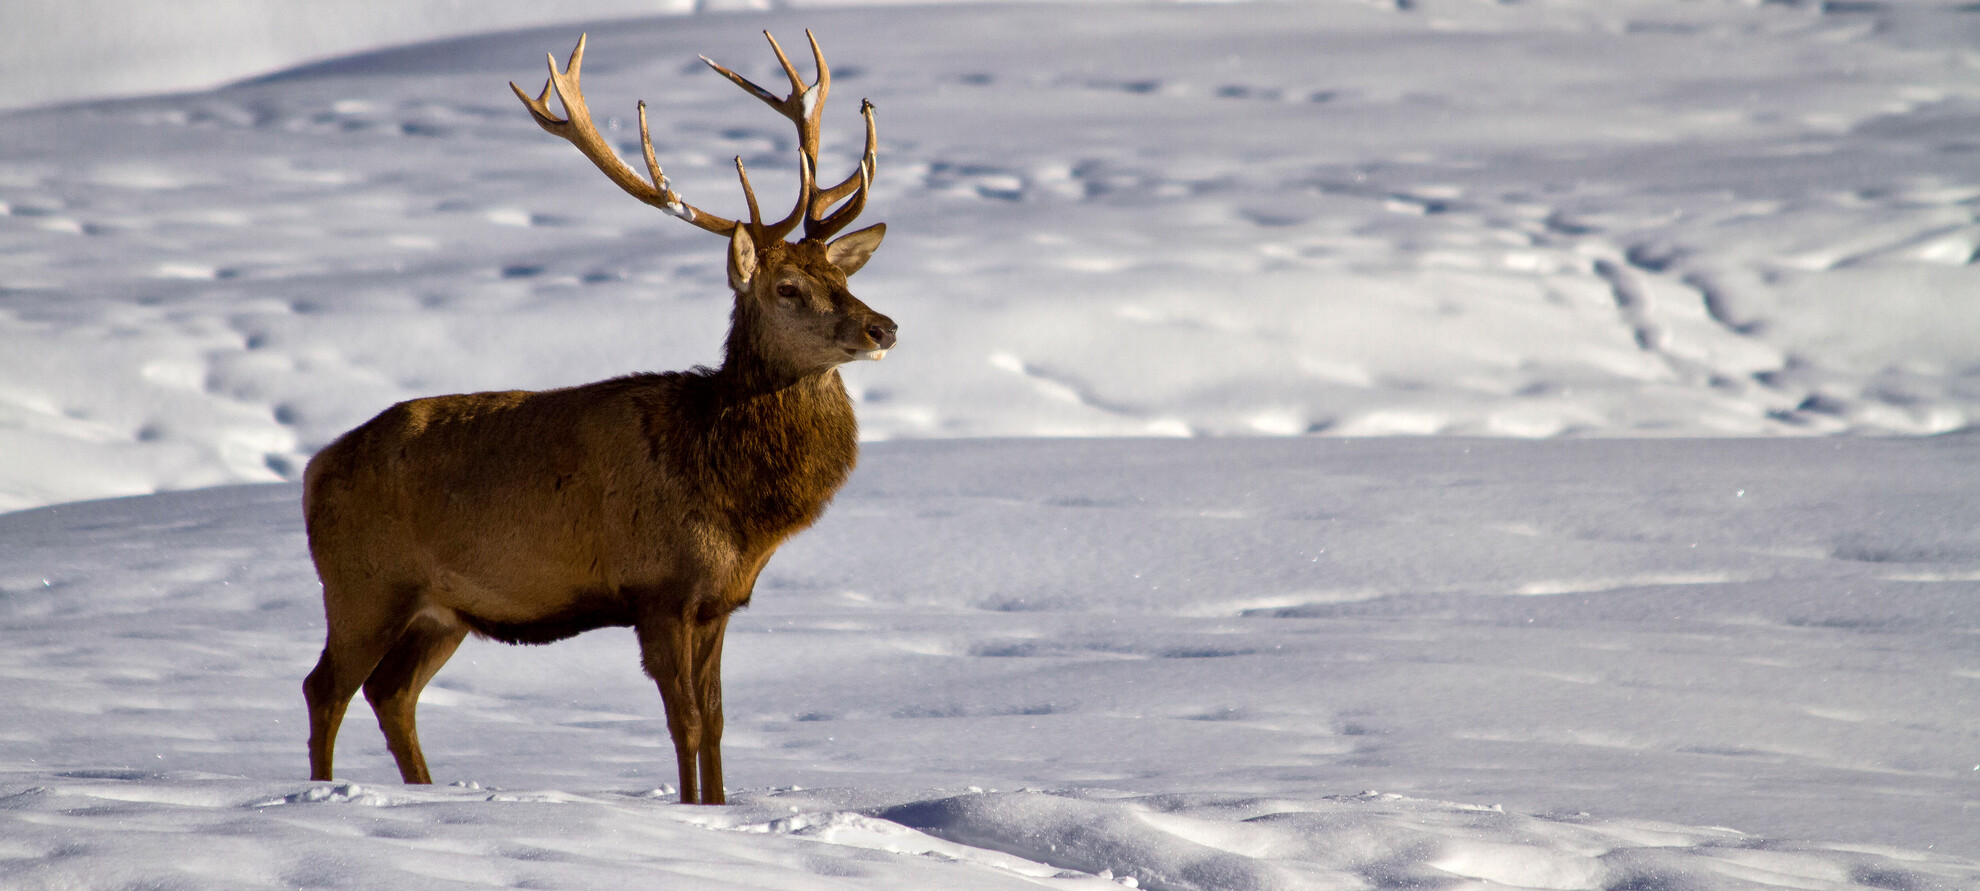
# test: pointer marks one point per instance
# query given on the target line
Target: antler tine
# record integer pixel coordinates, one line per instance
(646, 146)
(790, 106)
(830, 226)
(576, 128)
(807, 184)
(868, 162)
(797, 83)
(749, 195)
(803, 108)
(816, 104)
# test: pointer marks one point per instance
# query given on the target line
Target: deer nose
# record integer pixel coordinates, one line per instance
(881, 332)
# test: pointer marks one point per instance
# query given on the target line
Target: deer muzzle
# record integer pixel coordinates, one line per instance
(878, 336)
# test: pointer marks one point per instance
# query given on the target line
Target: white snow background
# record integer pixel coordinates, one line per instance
(1624, 626)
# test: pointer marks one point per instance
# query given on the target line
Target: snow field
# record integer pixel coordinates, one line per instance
(1536, 220)
(1179, 662)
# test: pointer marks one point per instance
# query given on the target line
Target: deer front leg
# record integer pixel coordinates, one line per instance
(708, 637)
(667, 651)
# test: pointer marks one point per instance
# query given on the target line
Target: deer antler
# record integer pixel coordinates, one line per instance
(803, 107)
(857, 184)
(577, 128)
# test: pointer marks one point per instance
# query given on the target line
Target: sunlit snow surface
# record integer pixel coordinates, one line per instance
(1625, 664)
(1177, 661)
(1527, 220)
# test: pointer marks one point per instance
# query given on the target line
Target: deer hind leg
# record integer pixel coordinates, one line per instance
(357, 640)
(393, 689)
(327, 696)
(347, 660)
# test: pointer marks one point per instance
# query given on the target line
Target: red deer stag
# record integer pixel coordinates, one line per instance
(649, 501)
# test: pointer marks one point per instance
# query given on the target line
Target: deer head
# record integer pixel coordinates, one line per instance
(794, 315)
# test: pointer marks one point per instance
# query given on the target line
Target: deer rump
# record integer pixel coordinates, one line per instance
(652, 500)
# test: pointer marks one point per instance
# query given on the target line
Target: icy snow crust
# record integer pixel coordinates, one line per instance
(1566, 656)
(1564, 665)
(1633, 217)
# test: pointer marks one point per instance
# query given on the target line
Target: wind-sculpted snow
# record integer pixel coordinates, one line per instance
(1375, 840)
(1610, 665)
(1640, 217)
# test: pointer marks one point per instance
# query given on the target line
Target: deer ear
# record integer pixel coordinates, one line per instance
(850, 251)
(742, 259)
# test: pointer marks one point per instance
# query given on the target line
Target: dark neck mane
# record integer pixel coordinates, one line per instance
(770, 449)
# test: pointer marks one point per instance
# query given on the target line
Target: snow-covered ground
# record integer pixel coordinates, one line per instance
(1595, 664)
(1580, 652)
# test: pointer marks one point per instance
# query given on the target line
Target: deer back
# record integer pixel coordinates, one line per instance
(507, 504)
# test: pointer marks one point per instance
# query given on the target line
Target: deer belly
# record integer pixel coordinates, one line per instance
(525, 613)
(528, 575)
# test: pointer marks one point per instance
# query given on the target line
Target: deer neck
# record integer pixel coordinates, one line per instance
(771, 456)
(777, 442)
(747, 373)
(777, 397)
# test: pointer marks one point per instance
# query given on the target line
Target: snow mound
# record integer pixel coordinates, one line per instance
(1373, 840)
(213, 832)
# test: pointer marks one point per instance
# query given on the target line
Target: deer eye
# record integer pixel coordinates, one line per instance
(789, 291)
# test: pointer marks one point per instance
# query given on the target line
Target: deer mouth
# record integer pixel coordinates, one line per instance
(877, 340)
